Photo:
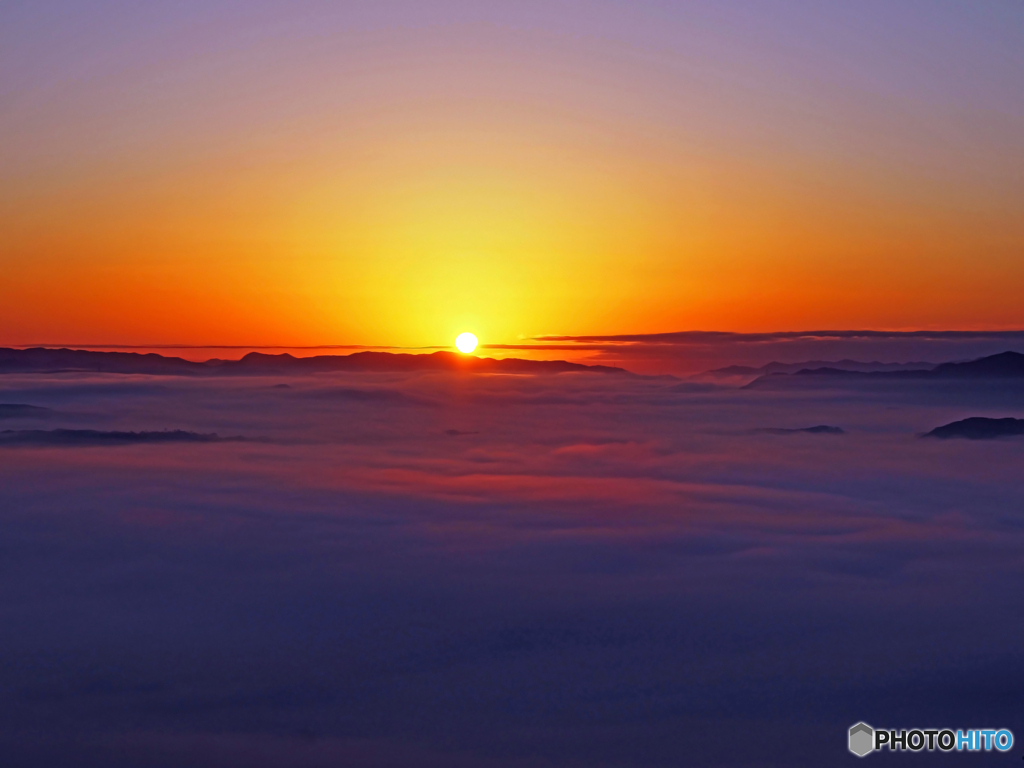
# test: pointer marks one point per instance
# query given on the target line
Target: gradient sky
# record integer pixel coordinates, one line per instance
(396, 172)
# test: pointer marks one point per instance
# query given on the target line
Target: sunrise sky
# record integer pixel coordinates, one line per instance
(393, 173)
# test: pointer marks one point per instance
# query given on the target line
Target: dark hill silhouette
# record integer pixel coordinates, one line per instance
(19, 411)
(979, 428)
(260, 363)
(90, 437)
(842, 365)
(821, 429)
(43, 360)
(1005, 365)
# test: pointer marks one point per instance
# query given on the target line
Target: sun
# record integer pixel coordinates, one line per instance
(466, 342)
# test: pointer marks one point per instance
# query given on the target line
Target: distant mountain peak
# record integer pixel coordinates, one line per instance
(979, 428)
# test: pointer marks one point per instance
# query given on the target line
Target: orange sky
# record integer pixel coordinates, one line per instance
(399, 185)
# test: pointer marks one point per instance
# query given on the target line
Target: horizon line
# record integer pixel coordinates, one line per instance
(219, 346)
(834, 333)
(580, 341)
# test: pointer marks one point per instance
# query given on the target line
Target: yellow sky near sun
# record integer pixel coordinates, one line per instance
(514, 187)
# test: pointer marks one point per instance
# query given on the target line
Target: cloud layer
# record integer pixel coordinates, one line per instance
(563, 570)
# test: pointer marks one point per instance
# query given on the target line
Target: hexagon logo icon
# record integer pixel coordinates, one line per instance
(862, 739)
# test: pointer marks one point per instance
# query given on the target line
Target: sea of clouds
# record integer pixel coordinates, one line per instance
(500, 571)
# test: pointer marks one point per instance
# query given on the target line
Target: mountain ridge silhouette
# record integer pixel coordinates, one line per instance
(1004, 365)
(49, 360)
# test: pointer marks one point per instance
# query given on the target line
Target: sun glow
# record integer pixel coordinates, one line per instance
(466, 343)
